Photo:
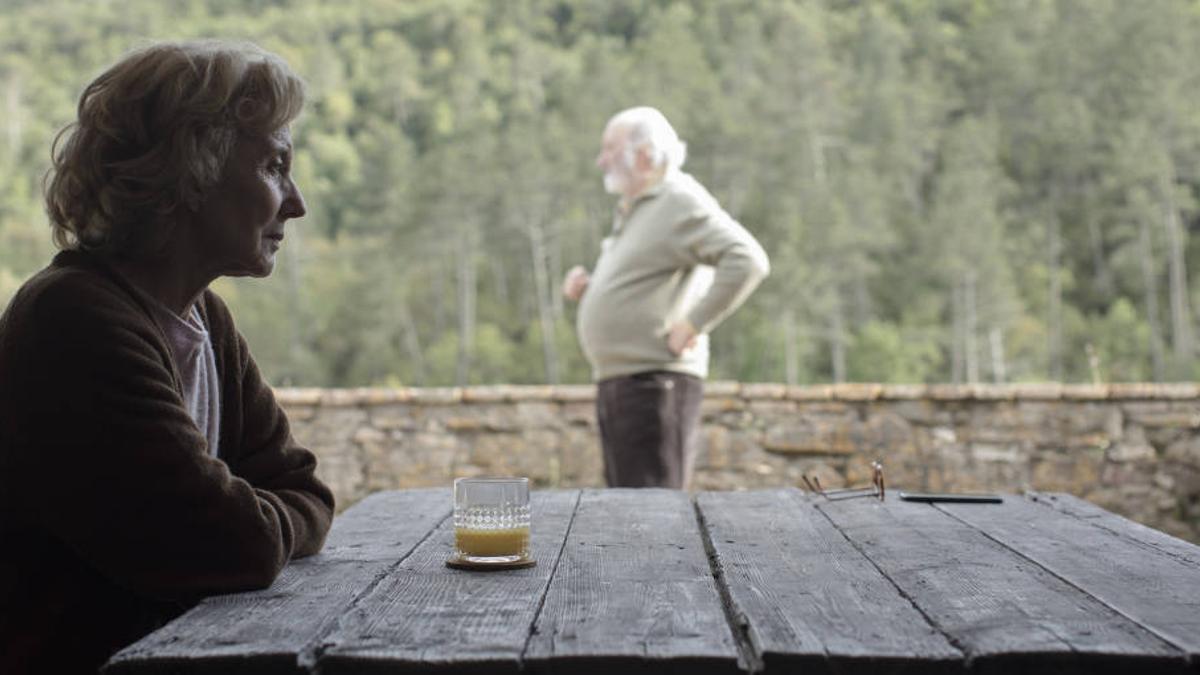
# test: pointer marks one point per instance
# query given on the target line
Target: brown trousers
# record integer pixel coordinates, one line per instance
(648, 427)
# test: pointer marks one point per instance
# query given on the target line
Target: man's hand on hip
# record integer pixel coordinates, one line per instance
(681, 337)
(575, 283)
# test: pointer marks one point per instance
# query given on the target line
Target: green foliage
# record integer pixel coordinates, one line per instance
(950, 190)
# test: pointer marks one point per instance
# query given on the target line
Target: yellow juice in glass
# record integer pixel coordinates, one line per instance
(491, 520)
(492, 543)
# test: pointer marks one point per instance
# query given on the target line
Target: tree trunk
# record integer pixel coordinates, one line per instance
(14, 128)
(837, 338)
(996, 340)
(970, 328)
(465, 276)
(1101, 275)
(791, 355)
(1150, 293)
(545, 310)
(957, 351)
(412, 341)
(295, 303)
(1054, 306)
(1181, 315)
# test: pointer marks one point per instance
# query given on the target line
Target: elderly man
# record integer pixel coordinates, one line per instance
(674, 266)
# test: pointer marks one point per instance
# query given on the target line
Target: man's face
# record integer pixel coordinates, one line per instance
(241, 223)
(613, 160)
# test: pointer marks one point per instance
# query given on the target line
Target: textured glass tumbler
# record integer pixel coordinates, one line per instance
(491, 519)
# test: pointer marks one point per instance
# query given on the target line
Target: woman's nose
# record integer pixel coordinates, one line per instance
(293, 204)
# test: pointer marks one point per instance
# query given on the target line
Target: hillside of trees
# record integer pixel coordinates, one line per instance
(950, 190)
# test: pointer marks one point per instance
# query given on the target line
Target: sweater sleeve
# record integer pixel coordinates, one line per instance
(709, 236)
(280, 470)
(118, 472)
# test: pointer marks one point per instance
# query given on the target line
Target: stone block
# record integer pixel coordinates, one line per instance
(1037, 391)
(489, 394)
(395, 416)
(769, 411)
(300, 413)
(343, 472)
(813, 392)
(763, 390)
(990, 453)
(531, 392)
(298, 396)
(714, 450)
(903, 392)
(949, 392)
(1085, 392)
(574, 392)
(712, 405)
(437, 395)
(885, 433)
(1163, 414)
(1185, 452)
(857, 391)
(1154, 391)
(542, 414)
(992, 392)
(580, 459)
(923, 412)
(723, 388)
(340, 398)
(491, 451)
(579, 413)
(1132, 448)
(369, 435)
(1074, 473)
(815, 436)
(332, 428)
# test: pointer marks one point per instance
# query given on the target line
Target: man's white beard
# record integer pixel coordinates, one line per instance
(614, 184)
(617, 181)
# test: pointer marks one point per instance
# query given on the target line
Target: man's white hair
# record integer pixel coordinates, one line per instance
(649, 128)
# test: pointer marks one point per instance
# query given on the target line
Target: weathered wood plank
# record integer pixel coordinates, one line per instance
(634, 592)
(268, 631)
(424, 617)
(809, 599)
(1157, 590)
(1003, 611)
(1118, 525)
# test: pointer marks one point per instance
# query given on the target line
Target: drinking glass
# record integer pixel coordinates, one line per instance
(491, 520)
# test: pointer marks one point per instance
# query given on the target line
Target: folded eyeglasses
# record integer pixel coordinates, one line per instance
(875, 489)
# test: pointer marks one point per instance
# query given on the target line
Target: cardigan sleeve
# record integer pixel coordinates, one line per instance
(280, 470)
(117, 471)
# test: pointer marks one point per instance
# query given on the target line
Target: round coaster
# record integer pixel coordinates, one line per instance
(460, 564)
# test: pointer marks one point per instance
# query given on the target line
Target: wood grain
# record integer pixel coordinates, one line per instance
(634, 592)
(426, 617)
(1003, 611)
(1158, 590)
(1119, 525)
(269, 631)
(809, 599)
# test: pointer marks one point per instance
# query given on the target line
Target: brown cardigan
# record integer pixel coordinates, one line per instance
(113, 516)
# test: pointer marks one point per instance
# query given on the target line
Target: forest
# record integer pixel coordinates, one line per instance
(949, 190)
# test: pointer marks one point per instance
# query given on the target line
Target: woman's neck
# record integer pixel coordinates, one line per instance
(168, 280)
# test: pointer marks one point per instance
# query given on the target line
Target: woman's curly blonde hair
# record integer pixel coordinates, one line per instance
(153, 135)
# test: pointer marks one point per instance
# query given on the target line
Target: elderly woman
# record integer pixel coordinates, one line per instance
(144, 462)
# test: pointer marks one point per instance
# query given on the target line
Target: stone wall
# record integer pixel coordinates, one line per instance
(1131, 448)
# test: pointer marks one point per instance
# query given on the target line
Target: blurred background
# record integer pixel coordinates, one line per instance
(950, 190)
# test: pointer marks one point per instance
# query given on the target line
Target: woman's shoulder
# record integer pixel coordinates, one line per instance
(72, 286)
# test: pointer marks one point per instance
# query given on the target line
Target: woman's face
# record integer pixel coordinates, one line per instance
(240, 225)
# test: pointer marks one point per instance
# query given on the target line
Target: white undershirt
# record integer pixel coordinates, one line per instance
(192, 350)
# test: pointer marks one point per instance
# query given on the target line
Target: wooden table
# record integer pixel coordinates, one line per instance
(720, 582)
